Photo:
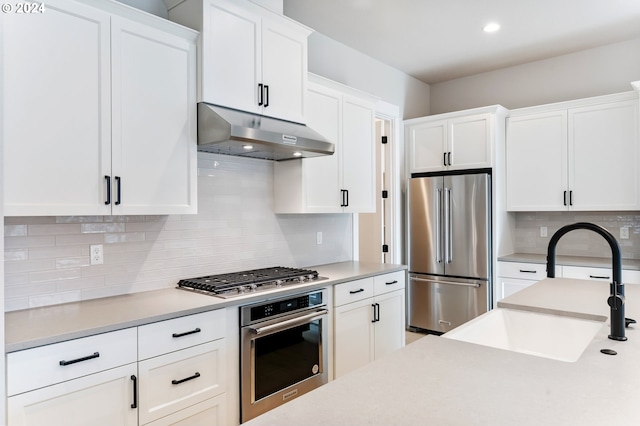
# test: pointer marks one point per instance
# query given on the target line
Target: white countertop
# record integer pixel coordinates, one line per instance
(595, 262)
(51, 324)
(436, 381)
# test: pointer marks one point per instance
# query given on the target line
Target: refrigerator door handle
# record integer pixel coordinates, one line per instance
(438, 225)
(448, 242)
(415, 278)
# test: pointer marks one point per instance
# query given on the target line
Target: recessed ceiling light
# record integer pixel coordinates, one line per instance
(247, 147)
(491, 27)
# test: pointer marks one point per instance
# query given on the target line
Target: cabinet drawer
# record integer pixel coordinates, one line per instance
(389, 282)
(353, 291)
(583, 273)
(46, 365)
(179, 333)
(175, 381)
(211, 412)
(524, 271)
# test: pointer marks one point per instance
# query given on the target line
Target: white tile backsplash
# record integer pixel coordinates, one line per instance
(578, 242)
(47, 258)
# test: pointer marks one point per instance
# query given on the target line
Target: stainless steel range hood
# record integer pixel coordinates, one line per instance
(228, 131)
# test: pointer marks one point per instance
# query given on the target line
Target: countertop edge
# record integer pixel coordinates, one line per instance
(580, 261)
(172, 305)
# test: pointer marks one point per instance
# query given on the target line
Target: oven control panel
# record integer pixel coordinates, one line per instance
(285, 305)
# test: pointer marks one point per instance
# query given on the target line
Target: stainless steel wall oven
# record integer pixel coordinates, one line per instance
(283, 350)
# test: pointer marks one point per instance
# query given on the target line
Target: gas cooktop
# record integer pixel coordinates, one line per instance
(246, 282)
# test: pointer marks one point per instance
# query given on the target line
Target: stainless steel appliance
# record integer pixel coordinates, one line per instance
(449, 249)
(283, 350)
(246, 282)
(229, 131)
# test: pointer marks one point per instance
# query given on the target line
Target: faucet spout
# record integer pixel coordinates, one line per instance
(616, 298)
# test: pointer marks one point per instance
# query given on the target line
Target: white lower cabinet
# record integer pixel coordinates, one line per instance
(369, 320)
(171, 372)
(104, 398)
(78, 382)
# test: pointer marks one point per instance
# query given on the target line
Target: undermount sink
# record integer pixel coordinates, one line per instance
(545, 335)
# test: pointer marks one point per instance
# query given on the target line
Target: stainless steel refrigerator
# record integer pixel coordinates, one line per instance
(449, 249)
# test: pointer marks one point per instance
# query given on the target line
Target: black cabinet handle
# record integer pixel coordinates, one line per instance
(392, 282)
(376, 312)
(526, 271)
(570, 198)
(134, 379)
(599, 277)
(565, 198)
(266, 95)
(343, 193)
(108, 179)
(347, 192)
(449, 157)
(197, 330)
(86, 358)
(118, 190)
(356, 291)
(444, 159)
(260, 94)
(177, 382)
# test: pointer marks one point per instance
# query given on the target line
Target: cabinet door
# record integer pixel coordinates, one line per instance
(353, 336)
(211, 412)
(470, 142)
(154, 120)
(104, 398)
(57, 118)
(178, 380)
(358, 154)
(321, 175)
(427, 146)
(508, 286)
(390, 328)
(284, 70)
(537, 162)
(604, 155)
(231, 56)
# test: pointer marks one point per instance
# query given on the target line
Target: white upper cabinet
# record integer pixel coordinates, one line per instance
(344, 181)
(581, 155)
(99, 112)
(454, 141)
(250, 58)
(154, 160)
(57, 110)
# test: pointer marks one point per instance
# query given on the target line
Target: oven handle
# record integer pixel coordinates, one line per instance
(290, 322)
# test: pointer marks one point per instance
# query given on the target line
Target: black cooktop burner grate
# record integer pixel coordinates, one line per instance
(238, 282)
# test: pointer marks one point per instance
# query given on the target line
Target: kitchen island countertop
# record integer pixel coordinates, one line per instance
(436, 381)
(51, 324)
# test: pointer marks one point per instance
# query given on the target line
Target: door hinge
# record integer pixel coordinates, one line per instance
(385, 248)
(384, 140)
(385, 193)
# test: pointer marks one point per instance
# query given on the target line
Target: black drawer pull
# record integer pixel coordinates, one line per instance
(86, 358)
(108, 179)
(526, 271)
(356, 291)
(135, 392)
(392, 282)
(177, 382)
(197, 330)
(599, 277)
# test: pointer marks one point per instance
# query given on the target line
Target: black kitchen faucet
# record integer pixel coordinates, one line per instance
(616, 298)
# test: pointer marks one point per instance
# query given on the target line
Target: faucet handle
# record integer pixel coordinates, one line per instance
(616, 301)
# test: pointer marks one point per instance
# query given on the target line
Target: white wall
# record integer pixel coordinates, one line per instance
(345, 65)
(599, 71)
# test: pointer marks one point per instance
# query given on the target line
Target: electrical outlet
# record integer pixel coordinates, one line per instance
(318, 237)
(97, 255)
(624, 233)
(543, 231)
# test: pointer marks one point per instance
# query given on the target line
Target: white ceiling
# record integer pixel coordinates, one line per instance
(439, 40)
